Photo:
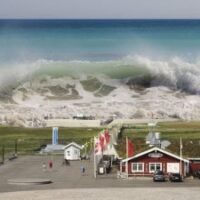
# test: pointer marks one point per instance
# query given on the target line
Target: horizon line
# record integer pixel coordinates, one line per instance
(99, 18)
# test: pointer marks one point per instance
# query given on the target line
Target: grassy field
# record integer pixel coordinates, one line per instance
(30, 140)
(171, 131)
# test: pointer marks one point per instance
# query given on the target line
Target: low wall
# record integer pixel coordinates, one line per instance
(127, 122)
(72, 123)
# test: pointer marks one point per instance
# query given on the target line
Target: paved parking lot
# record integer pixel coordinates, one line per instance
(106, 194)
(70, 177)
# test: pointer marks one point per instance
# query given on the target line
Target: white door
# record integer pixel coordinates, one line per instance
(76, 154)
(67, 154)
(173, 167)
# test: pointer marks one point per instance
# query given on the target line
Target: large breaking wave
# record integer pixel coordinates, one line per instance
(174, 73)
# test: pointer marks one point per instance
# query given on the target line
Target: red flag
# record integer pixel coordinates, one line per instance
(130, 148)
(102, 140)
(107, 136)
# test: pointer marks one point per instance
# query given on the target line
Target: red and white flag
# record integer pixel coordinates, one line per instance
(102, 140)
(97, 146)
(107, 136)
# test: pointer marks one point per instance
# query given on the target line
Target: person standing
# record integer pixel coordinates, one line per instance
(82, 170)
(50, 164)
(44, 167)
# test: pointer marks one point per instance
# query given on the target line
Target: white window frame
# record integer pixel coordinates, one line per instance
(154, 163)
(137, 163)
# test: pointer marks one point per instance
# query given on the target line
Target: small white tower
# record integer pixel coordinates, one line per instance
(54, 135)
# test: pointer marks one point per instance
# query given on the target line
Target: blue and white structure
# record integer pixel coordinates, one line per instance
(54, 135)
(54, 148)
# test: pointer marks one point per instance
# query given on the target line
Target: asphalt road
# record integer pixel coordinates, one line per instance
(70, 177)
(107, 194)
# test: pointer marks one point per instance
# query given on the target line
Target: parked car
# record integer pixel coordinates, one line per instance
(159, 176)
(197, 174)
(175, 177)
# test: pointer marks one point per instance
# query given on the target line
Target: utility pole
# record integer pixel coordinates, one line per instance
(3, 152)
(95, 161)
(181, 155)
(16, 147)
(127, 156)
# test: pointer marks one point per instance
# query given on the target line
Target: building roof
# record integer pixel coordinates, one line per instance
(72, 144)
(50, 148)
(155, 149)
(195, 159)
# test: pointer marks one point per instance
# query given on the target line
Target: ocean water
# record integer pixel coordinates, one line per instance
(169, 49)
(24, 40)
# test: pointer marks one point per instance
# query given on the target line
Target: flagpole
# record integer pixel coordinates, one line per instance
(95, 174)
(127, 156)
(181, 155)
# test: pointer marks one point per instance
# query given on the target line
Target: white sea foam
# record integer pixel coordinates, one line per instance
(174, 72)
(32, 105)
(172, 89)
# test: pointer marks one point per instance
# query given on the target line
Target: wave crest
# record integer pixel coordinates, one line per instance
(175, 73)
(135, 70)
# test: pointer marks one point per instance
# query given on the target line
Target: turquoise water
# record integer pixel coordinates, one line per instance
(166, 52)
(98, 40)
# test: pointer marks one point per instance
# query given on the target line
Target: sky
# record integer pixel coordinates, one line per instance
(68, 9)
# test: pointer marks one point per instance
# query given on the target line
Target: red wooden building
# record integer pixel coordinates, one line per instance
(194, 165)
(145, 163)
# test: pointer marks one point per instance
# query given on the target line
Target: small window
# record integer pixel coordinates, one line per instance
(154, 167)
(134, 166)
(68, 153)
(75, 152)
(140, 167)
(137, 167)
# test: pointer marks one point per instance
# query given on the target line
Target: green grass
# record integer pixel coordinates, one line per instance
(30, 140)
(171, 131)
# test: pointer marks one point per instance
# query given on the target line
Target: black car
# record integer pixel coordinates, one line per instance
(159, 176)
(175, 177)
(197, 174)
